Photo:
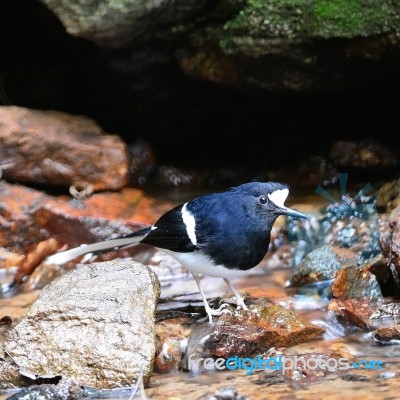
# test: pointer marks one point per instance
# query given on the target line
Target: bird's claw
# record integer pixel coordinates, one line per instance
(237, 302)
(219, 311)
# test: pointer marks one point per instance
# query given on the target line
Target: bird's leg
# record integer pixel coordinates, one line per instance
(210, 312)
(239, 298)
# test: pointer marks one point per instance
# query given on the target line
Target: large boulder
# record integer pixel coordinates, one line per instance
(95, 325)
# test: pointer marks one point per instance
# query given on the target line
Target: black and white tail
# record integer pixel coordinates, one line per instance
(117, 243)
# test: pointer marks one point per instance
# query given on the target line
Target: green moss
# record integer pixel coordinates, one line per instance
(268, 19)
(339, 18)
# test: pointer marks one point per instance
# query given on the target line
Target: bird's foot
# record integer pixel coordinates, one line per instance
(240, 303)
(237, 301)
(210, 312)
(238, 298)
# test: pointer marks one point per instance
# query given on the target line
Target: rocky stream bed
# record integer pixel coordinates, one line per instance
(327, 290)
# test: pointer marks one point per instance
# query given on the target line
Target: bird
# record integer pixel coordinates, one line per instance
(219, 234)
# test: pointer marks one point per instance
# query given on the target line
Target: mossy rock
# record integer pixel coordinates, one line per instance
(260, 20)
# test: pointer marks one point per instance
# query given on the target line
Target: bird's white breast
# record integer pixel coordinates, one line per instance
(200, 263)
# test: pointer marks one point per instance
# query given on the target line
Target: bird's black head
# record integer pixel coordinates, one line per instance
(267, 198)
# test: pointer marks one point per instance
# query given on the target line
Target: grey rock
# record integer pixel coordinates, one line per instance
(94, 325)
(320, 264)
(117, 23)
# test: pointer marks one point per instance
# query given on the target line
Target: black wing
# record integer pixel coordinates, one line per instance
(170, 233)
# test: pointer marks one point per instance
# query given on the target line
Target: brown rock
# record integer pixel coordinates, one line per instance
(387, 334)
(355, 311)
(355, 282)
(29, 217)
(54, 148)
(171, 335)
(245, 334)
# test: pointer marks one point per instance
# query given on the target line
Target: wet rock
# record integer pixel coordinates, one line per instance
(64, 390)
(247, 334)
(366, 154)
(30, 217)
(387, 311)
(354, 311)
(73, 226)
(55, 148)
(321, 264)
(388, 197)
(355, 283)
(171, 343)
(387, 335)
(94, 325)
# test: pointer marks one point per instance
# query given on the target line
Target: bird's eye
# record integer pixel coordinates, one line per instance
(262, 200)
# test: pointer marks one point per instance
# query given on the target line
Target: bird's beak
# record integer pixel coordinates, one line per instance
(293, 213)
